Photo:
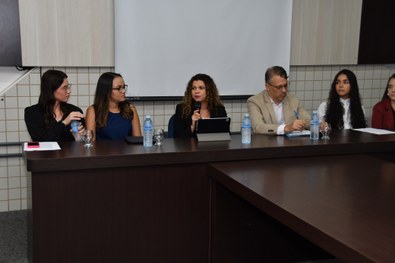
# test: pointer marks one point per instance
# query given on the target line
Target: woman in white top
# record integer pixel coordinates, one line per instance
(343, 109)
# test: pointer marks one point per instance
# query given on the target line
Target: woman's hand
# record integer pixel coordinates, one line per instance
(323, 125)
(74, 115)
(195, 117)
(81, 129)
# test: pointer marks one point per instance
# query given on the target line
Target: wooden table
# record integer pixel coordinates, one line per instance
(120, 202)
(344, 204)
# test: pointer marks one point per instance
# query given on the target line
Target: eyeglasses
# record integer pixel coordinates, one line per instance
(279, 87)
(66, 88)
(121, 88)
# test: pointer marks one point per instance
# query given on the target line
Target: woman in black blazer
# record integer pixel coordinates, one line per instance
(201, 100)
(50, 118)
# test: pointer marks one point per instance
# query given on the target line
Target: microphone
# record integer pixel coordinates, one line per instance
(198, 105)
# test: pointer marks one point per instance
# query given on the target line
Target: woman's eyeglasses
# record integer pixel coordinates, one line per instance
(121, 88)
(66, 88)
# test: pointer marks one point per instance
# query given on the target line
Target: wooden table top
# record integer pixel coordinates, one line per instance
(345, 204)
(106, 154)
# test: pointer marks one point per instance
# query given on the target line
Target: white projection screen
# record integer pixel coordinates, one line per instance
(161, 44)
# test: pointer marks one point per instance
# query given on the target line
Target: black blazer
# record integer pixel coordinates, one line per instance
(182, 126)
(34, 119)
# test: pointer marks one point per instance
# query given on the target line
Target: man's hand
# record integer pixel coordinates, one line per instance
(296, 125)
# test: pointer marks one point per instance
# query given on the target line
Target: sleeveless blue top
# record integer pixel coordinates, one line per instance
(116, 129)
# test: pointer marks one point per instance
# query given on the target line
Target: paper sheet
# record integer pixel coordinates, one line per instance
(44, 146)
(375, 131)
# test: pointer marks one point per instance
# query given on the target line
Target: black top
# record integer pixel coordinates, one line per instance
(182, 126)
(34, 119)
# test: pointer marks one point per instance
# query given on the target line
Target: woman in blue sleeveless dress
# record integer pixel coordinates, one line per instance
(112, 117)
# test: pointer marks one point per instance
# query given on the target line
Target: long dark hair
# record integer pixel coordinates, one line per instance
(334, 111)
(51, 80)
(385, 95)
(102, 98)
(213, 99)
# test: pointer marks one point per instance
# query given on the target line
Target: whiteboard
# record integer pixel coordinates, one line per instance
(160, 45)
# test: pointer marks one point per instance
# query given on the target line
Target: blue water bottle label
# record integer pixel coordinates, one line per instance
(74, 126)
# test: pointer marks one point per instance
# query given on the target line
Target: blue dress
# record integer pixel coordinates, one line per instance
(117, 128)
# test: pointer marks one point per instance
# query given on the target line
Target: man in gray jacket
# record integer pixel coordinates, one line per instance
(274, 111)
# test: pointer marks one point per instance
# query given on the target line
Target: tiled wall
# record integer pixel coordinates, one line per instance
(311, 84)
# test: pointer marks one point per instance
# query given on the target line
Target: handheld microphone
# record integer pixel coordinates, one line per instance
(198, 105)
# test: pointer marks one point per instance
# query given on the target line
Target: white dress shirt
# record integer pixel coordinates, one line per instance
(346, 116)
(278, 111)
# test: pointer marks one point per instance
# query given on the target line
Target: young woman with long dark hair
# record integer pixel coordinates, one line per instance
(343, 109)
(112, 117)
(50, 118)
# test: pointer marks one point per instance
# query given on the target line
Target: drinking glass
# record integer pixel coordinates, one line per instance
(158, 136)
(326, 130)
(88, 138)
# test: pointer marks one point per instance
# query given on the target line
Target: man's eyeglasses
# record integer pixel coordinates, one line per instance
(121, 88)
(285, 86)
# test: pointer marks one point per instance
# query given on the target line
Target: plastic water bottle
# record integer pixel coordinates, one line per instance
(314, 126)
(74, 129)
(246, 129)
(148, 131)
